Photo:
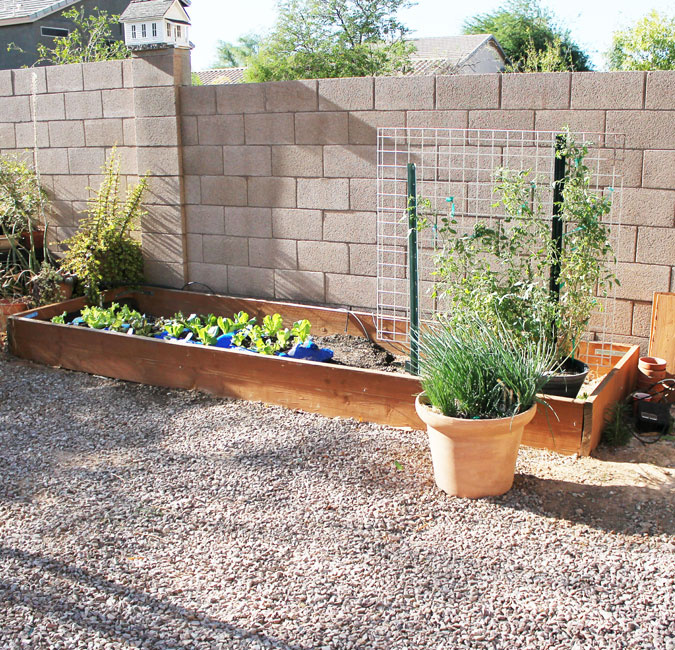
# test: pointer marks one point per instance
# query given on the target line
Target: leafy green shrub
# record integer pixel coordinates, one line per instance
(102, 253)
(480, 371)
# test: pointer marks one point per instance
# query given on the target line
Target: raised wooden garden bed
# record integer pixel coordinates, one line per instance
(333, 390)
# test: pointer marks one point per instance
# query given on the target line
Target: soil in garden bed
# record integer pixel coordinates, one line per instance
(359, 352)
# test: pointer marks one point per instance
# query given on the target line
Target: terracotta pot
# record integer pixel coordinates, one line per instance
(7, 308)
(473, 458)
(652, 364)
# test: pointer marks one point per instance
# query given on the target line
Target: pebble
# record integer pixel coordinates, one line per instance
(141, 517)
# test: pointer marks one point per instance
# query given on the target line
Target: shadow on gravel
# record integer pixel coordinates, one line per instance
(629, 510)
(139, 626)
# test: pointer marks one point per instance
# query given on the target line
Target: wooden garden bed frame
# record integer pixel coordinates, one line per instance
(332, 390)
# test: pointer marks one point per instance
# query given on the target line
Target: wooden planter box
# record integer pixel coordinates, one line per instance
(369, 395)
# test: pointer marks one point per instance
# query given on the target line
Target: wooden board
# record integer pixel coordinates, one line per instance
(662, 333)
(369, 395)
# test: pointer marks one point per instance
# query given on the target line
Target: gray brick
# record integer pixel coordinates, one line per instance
(583, 121)
(64, 78)
(351, 290)
(323, 193)
(660, 92)
(473, 91)
(198, 100)
(103, 74)
(323, 256)
(607, 89)
(205, 219)
(221, 249)
(321, 128)
(659, 170)
(104, 133)
(7, 136)
(153, 70)
(53, 161)
(193, 189)
(6, 86)
(23, 81)
(240, 98)
(51, 107)
(540, 90)
(363, 259)
(155, 102)
(300, 160)
(25, 134)
(273, 253)
(223, 190)
(221, 129)
(656, 246)
(85, 160)
(163, 218)
(350, 227)
(212, 275)
(272, 192)
(129, 132)
(84, 105)
(203, 160)
(640, 281)
(269, 129)
(66, 134)
(291, 223)
(118, 103)
(363, 125)
(250, 282)
(346, 94)
(437, 119)
(248, 222)
(508, 120)
(283, 96)
(350, 161)
(299, 285)
(362, 194)
(195, 248)
(643, 129)
(156, 131)
(188, 130)
(164, 190)
(247, 161)
(17, 107)
(396, 93)
(163, 161)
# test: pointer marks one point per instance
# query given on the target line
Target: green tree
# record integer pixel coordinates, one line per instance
(332, 38)
(235, 55)
(647, 45)
(527, 31)
(91, 40)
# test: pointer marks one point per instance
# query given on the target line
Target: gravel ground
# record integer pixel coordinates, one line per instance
(140, 517)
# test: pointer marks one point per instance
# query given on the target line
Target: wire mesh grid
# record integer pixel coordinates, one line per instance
(456, 178)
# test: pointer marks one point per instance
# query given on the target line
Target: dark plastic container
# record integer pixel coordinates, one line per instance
(569, 383)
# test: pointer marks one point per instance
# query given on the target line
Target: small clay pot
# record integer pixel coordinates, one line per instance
(651, 364)
(8, 308)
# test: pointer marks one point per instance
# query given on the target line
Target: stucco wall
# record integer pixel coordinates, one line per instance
(269, 189)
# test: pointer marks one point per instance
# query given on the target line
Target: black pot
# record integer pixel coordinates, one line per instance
(569, 383)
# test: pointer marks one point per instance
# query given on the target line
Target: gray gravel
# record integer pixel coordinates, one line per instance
(140, 517)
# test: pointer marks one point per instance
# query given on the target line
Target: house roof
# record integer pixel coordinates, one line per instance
(453, 49)
(139, 9)
(221, 76)
(28, 11)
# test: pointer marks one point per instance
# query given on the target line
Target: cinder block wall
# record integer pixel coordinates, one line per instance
(269, 189)
(81, 112)
(280, 177)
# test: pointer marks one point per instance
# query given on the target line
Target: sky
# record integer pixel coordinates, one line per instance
(591, 22)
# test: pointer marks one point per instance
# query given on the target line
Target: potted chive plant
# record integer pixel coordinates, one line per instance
(480, 391)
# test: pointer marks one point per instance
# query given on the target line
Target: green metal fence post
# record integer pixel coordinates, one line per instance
(413, 365)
